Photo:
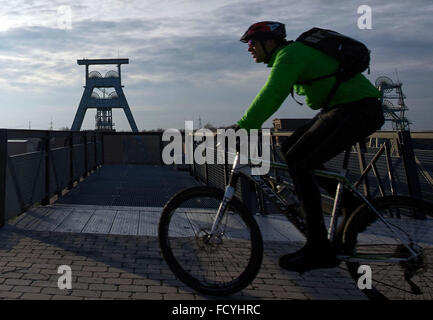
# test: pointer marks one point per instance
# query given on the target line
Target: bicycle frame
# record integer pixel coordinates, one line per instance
(343, 182)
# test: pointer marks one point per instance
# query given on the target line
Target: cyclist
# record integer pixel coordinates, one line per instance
(353, 113)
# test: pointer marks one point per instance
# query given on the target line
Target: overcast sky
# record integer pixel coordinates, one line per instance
(186, 60)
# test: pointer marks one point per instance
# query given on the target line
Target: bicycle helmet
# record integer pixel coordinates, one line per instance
(265, 30)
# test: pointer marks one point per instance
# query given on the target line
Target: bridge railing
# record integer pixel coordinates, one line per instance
(394, 156)
(36, 165)
(387, 163)
(141, 148)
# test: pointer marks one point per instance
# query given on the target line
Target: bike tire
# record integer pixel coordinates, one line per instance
(366, 235)
(237, 260)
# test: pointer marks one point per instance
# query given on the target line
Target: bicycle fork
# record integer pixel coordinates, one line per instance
(228, 196)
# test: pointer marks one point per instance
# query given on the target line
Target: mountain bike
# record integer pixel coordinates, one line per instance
(212, 242)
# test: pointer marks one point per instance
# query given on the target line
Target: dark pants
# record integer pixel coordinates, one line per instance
(325, 136)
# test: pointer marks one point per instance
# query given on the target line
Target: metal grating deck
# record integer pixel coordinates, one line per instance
(129, 185)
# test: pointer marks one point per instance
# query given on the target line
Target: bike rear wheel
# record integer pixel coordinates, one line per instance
(367, 237)
(223, 265)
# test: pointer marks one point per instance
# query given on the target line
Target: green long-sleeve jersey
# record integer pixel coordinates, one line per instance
(298, 62)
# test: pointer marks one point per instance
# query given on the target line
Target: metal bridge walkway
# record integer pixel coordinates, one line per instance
(129, 185)
(105, 229)
(127, 200)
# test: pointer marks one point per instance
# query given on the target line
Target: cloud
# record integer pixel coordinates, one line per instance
(186, 58)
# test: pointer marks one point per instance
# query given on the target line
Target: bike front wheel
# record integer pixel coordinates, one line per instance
(395, 272)
(218, 264)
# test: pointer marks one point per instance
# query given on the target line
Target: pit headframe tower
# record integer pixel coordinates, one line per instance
(393, 113)
(104, 105)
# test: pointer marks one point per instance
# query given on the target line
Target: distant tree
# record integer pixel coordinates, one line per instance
(209, 126)
(64, 129)
(153, 130)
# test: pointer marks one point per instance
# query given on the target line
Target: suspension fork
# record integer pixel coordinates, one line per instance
(228, 195)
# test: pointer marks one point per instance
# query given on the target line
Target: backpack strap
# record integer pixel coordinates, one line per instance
(293, 97)
(331, 93)
(310, 81)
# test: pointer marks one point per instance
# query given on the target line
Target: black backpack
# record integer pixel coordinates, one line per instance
(352, 55)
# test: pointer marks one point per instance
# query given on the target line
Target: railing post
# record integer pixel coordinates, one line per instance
(102, 149)
(194, 168)
(46, 200)
(389, 167)
(361, 149)
(86, 165)
(161, 149)
(95, 148)
(3, 166)
(226, 169)
(206, 173)
(274, 153)
(405, 146)
(71, 158)
(98, 149)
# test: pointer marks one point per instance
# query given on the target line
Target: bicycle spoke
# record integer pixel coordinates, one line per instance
(214, 261)
(401, 274)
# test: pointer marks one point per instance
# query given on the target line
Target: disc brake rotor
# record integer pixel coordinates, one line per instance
(208, 243)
